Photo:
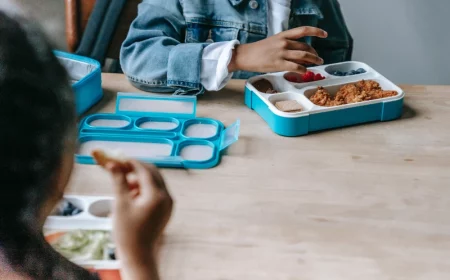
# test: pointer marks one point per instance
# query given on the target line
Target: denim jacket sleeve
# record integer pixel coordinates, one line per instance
(154, 57)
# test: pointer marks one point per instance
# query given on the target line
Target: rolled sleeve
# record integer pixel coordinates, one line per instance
(153, 56)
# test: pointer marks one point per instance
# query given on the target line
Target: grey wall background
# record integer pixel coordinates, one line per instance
(49, 13)
(406, 40)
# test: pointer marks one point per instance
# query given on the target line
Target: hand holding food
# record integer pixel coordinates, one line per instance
(141, 211)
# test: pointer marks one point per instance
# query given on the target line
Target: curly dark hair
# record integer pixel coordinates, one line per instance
(37, 116)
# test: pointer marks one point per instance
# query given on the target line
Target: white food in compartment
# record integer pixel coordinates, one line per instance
(304, 102)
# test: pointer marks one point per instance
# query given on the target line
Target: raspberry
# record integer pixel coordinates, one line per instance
(318, 77)
(293, 77)
(308, 77)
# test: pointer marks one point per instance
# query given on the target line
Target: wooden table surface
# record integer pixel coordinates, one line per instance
(365, 202)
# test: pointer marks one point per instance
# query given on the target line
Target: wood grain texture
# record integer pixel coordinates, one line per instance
(366, 202)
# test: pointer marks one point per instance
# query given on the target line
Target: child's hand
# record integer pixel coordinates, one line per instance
(141, 211)
(280, 52)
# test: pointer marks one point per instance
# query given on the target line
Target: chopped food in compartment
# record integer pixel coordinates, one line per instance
(288, 106)
(264, 86)
(352, 93)
(67, 209)
(83, 245)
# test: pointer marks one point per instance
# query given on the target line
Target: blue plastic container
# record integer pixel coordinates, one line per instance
(159, 130)
(86, 77)
(316, 118)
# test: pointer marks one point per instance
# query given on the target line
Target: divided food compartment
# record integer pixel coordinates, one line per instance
(85, 77)
(159, 130)
(288, 121)
(85, 238)
(94, 213)
(329, 73)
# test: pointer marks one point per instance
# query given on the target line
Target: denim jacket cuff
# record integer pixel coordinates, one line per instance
(184, 67)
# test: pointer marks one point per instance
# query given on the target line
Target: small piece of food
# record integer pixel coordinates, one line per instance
(361, 71)
(289, 106)
(264, 86)
(67, 209)
(318, 77)
(293, 77)
(349, 73)
(321, 97)
(102, 158)
(368, 85)
(352, 93)
(308, 77)
(110, 252)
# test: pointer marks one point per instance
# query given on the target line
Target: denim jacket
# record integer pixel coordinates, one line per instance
(164, 46)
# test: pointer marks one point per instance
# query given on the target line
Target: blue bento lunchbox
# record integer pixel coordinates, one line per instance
(162, 130)
(86, 78)
(310, 117)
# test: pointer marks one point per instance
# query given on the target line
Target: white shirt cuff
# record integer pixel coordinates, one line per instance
(215, 59)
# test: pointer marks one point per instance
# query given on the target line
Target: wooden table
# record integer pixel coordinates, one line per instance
(366, 202)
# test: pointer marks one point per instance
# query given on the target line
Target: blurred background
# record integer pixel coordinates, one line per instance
(406, 40)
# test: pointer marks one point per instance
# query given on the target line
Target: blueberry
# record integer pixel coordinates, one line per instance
(361, 70)
(353, 72)
(65, 204)
(68, 209)
(76, 211)
(338, 73)
(111, 252)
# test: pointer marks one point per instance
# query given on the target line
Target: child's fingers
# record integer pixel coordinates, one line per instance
(302, 57)
(149, 178)
(304, 31)
(120, 179)
(294, 45)
(294, 67)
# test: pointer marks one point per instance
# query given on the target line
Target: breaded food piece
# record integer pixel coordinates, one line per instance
(377, 94)
(103, 158)
(352, 93)
(368, 85)
(264, 86)
(289, 106)
(321, 97)
(335, 102)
